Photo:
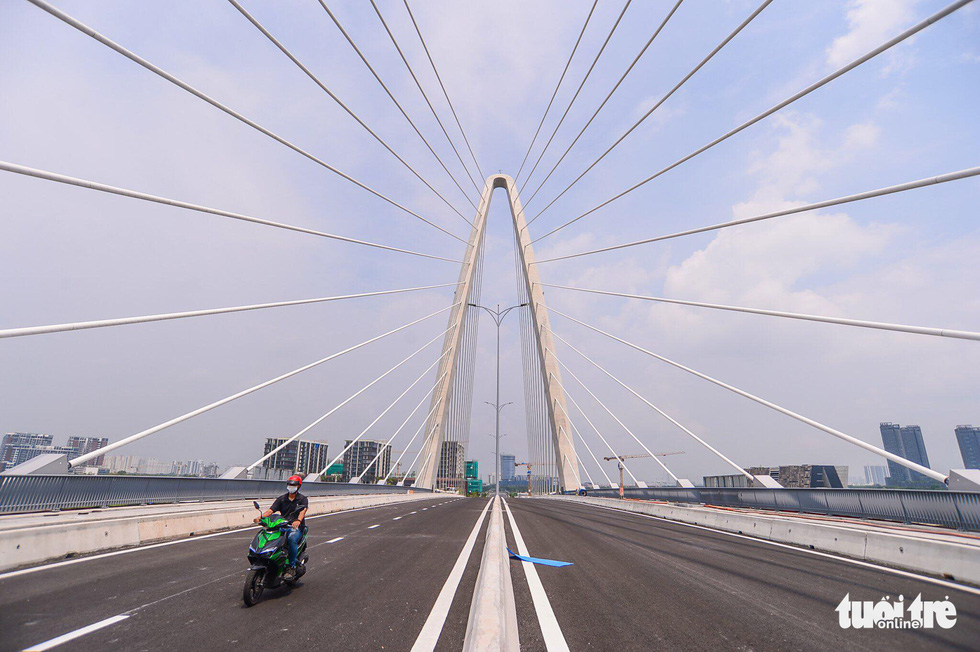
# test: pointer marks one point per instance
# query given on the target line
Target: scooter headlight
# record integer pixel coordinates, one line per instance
(269, 548)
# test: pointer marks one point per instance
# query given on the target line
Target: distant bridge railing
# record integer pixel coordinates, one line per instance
(954, 509)
(36, 493)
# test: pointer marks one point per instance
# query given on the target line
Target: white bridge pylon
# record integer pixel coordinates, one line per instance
(445, 393)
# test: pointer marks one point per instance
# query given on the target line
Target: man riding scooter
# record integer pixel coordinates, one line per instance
(292, 506)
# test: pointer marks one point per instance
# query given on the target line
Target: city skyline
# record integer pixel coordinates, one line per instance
(966, 436)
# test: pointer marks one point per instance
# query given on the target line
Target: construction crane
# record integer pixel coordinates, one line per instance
(619, 462)
(528, 465)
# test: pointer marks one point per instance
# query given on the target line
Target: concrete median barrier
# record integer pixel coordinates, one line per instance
(492, 623)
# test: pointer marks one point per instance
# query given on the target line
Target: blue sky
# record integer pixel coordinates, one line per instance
(72, 106)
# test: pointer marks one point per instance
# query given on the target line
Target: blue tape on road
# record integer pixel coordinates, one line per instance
(536, 560)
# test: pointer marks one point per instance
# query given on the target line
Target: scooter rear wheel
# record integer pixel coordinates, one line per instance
(254, 583)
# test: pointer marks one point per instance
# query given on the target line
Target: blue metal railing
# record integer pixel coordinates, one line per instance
(954, 509)
(35, 493)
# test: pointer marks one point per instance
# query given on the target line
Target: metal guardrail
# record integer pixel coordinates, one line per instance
(953, 509)
(36, 493)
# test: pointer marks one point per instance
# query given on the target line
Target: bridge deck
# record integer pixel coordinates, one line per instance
(637, 583)
(640, 583)
(373, 588)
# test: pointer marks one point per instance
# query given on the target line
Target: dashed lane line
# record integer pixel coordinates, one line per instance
(88, 629)
(70, 636)
(126, 551)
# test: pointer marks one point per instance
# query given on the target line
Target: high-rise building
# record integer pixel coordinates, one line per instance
(797, 476)
(737, 481)
(129, 464)
(905, 441)
(15, 446)
(968, 437)
(452, 460)
(18, 447)
(20, 454)
(195, 468)
(82, 445)
(876, 475)
(811, 476)
(135, 465)
(300, 456)
(771, 471)
(508, 468)
(361, 454)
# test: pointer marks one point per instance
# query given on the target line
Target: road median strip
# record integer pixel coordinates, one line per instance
(492, 622)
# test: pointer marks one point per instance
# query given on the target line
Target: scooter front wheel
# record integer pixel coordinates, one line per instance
(254, 583)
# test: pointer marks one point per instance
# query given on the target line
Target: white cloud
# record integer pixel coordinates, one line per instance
(820, 263)
(762, 264)
(657, 120)
(861, 136)
(792, 170)
(871, 23)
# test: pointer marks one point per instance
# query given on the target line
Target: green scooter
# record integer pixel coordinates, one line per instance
(269, 558)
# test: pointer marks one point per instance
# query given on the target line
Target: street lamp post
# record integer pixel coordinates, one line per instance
(498, 317)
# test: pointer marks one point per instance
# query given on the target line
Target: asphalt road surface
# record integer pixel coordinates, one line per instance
(370, 590)
(375, 575)
(645, 584)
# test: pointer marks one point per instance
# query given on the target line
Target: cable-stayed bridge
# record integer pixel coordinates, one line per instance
(400, 558)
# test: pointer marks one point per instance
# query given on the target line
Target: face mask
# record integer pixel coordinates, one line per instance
(292, 489)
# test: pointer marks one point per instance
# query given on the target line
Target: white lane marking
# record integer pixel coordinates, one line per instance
(70, 636)
(68, 562)
(856, 562)
(397, 518)
(371, 527)
(127, 614)
(554, 640)
(432, 628)
(133, 611)
(425, 509)
(64, 638)
(410, 513)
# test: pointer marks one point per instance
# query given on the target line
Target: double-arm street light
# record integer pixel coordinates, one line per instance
(498, 317)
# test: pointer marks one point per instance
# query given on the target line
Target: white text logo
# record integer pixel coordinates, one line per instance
(887, 614)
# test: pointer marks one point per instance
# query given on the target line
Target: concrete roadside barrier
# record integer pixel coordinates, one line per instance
(30, 539)
(924, 552)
